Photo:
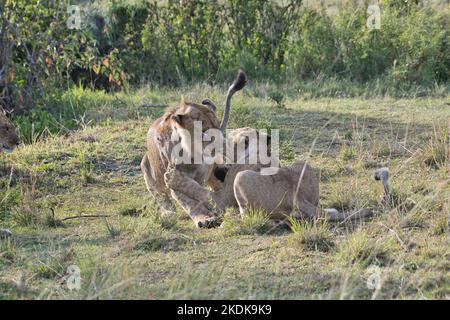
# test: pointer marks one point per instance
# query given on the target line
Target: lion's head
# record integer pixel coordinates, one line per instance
(191, 122)
(185, 115)
(9, 139)
(243, 145)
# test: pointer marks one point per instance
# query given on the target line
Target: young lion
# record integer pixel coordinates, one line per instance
(8, 142)
(223, 177)
(292, 190)
(8, 137)
(178, 120)
(238, 147)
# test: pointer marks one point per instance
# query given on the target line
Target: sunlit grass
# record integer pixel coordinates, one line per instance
(138, 253)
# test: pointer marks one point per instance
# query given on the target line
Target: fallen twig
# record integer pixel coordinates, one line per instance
(87, 216)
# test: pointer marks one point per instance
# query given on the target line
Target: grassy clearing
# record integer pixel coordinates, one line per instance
(133, 252)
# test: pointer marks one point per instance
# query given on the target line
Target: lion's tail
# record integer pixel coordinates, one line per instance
(331, 214)
(334, 215)
(238, 84)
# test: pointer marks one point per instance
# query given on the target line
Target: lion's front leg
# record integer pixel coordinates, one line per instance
(191, 196)
(198, 211)
(154, 189)
(177, 181)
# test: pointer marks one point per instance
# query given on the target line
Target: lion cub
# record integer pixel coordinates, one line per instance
(9, 140)
(293, 190)
(288, 191)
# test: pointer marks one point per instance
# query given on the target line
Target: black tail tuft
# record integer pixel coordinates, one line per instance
(241, 80)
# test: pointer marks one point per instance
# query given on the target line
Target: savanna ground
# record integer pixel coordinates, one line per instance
(133, 252)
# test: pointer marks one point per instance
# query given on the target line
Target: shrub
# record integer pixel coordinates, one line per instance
(127, 44)
(313, 235)
(314, 48)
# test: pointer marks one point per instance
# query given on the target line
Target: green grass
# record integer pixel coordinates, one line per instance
(136, 253)
(255, 221)
(313, 235)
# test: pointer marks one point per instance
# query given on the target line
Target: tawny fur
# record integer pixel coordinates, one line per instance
(158, 156)
(290, 191)
(9, 140)
(233, 165)
(222, 196)
(292, 187)
(157, 159)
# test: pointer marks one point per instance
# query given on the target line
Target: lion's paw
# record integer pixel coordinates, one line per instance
(206, 221)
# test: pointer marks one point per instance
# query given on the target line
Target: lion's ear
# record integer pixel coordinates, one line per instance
(209, 104)
(178, 118)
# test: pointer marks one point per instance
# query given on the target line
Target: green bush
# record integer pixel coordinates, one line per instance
(314, 49)
(176, 43)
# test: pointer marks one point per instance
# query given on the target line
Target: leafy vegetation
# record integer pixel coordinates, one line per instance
(121, 45)
(168, 43)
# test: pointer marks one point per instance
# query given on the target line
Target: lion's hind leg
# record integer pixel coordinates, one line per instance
(161, 198)
(243, 185)
(147, 173)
